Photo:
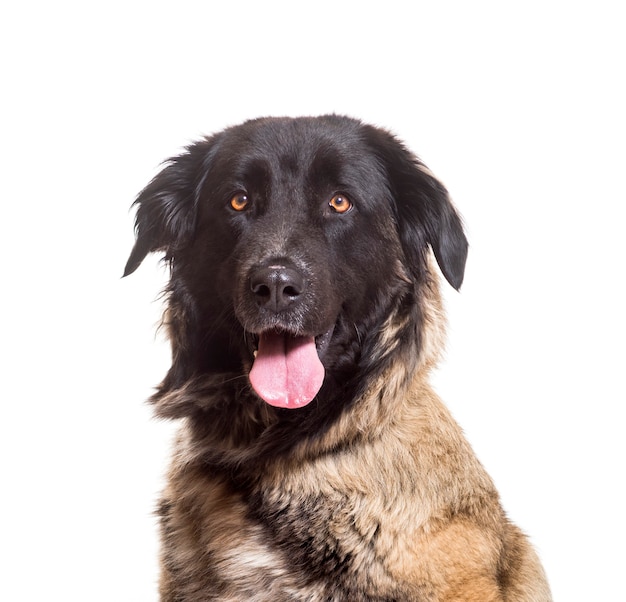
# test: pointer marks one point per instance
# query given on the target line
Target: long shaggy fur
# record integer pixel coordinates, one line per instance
(370, 492)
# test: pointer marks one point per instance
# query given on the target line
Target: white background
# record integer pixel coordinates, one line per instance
(518, 107)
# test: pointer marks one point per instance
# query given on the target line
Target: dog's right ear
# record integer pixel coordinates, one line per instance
(166, 207)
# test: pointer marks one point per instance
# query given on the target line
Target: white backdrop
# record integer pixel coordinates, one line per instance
(519, 109)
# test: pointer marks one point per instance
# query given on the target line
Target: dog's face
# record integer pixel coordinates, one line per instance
(289, 239)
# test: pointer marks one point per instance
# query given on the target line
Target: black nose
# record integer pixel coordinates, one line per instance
(276, 287)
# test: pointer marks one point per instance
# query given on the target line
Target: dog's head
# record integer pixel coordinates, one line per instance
(289, 240)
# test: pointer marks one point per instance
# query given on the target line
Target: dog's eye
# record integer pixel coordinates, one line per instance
(340, 203)
(239, 201)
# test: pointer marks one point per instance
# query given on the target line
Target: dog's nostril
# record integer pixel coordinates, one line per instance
(261, 290)
(276, 287)
(291, 291)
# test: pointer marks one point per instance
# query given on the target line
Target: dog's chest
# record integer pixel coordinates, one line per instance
(295, 543)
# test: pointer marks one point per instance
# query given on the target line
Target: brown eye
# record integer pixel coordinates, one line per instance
(340, 203)
(239, 201)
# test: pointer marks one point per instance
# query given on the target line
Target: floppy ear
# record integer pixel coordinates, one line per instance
(424, 212)
(166, 207)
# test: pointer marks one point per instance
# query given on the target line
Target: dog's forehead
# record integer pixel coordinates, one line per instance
(326, 150)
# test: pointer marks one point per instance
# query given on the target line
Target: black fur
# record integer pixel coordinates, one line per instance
(290, 168)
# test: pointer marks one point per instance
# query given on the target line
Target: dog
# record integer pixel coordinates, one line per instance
(314, 462)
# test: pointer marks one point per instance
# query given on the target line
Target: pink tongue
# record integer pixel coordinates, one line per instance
(287, 371)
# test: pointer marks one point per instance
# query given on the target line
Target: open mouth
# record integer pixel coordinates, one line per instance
(287, 371)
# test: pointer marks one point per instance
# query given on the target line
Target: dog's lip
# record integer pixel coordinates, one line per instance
(322, 341)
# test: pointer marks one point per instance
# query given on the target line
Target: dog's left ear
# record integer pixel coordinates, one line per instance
(423, 209)
(166, 207)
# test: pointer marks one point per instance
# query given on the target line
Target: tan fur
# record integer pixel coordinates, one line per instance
(406, 499)
(364, 490)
